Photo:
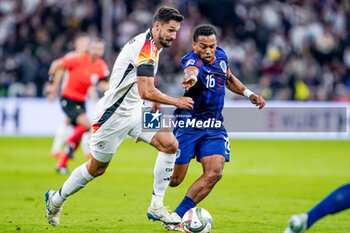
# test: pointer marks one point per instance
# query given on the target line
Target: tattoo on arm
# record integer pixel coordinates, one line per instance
(189, 72)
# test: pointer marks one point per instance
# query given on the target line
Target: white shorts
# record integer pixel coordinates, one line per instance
(105, 141)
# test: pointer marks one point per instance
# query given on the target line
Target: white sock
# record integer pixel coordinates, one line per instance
(60, 138)
(77, 180)
(163, 170)
(85, 143)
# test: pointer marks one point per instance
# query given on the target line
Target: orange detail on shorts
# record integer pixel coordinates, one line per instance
(82, 73)
(95, 127)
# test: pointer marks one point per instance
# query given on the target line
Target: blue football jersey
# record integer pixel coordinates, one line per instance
(209, 91)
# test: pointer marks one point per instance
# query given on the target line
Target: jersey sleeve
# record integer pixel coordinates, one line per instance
(228, 71)
(224, 58)
(70, 60)
(227, 67)
(191, 61)
(146, 59)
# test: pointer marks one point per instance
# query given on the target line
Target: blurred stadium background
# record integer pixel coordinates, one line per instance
(283, 50)
(292, 52)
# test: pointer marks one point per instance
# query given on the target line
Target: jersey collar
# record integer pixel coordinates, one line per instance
(212, 61)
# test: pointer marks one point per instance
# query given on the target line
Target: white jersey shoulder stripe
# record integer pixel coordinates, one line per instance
(138, 50)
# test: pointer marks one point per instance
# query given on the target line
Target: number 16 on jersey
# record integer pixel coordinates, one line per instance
(210, 81)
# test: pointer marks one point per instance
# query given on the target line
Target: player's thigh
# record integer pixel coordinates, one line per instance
(106, 138)
(83, 120)
(215, 143)
(188, 142)
(137, 133)
(163, 139)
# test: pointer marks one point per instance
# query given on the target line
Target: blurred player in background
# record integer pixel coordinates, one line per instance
(80, 46)
(208, 64)
(335, 202)
(84, 70)
(118, 115)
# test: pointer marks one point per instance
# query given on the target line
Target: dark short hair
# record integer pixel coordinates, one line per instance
(204, 30)
(97, 39)
(164, 14)
(80, 34)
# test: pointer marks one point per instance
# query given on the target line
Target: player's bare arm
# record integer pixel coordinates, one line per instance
(234, 85)
(57, 72)
(190, 78)
(55, 65)
(149, 92)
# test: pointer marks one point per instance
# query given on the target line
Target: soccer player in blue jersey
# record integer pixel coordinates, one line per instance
(335, 202)
(206, 75)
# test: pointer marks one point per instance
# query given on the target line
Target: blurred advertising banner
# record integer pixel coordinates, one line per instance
(289, 120)
(278, 120)
(286, 119)
(32, 116)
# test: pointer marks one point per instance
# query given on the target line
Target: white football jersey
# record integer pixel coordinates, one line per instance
(123, 95)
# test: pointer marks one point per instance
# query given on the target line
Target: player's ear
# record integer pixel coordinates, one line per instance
(194, 44)
(157, 25)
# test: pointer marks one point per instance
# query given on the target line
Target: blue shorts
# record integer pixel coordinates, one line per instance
(201, 142)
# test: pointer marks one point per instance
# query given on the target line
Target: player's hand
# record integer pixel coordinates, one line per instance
(189, 82)
(51, 91)
(184, 103)
(257, 100)
(156, 106)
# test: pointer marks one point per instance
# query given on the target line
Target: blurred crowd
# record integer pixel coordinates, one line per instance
(281, 49)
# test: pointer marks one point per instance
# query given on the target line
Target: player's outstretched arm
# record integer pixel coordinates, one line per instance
(55, 65)
(190, 78)
(56, 73)
(149, 92)
(234, 85)
(257, 100)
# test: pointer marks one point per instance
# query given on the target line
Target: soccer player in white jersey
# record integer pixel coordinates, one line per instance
(118, 114)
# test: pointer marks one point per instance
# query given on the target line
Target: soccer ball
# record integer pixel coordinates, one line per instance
(197, 220)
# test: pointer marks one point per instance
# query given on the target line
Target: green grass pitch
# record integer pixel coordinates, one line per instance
(264, 184)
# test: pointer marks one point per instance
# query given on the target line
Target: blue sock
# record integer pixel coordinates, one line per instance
(335, 202)
(186, 204)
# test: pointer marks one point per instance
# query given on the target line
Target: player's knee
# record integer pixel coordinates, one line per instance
(87, 128)
(213, 177)
(96, 171)
(175, 181)
(99, 171)
(171, 147)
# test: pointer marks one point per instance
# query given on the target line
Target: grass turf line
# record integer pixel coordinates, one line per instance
(264, 184)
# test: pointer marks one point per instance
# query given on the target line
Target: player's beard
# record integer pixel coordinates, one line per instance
(165, 43)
